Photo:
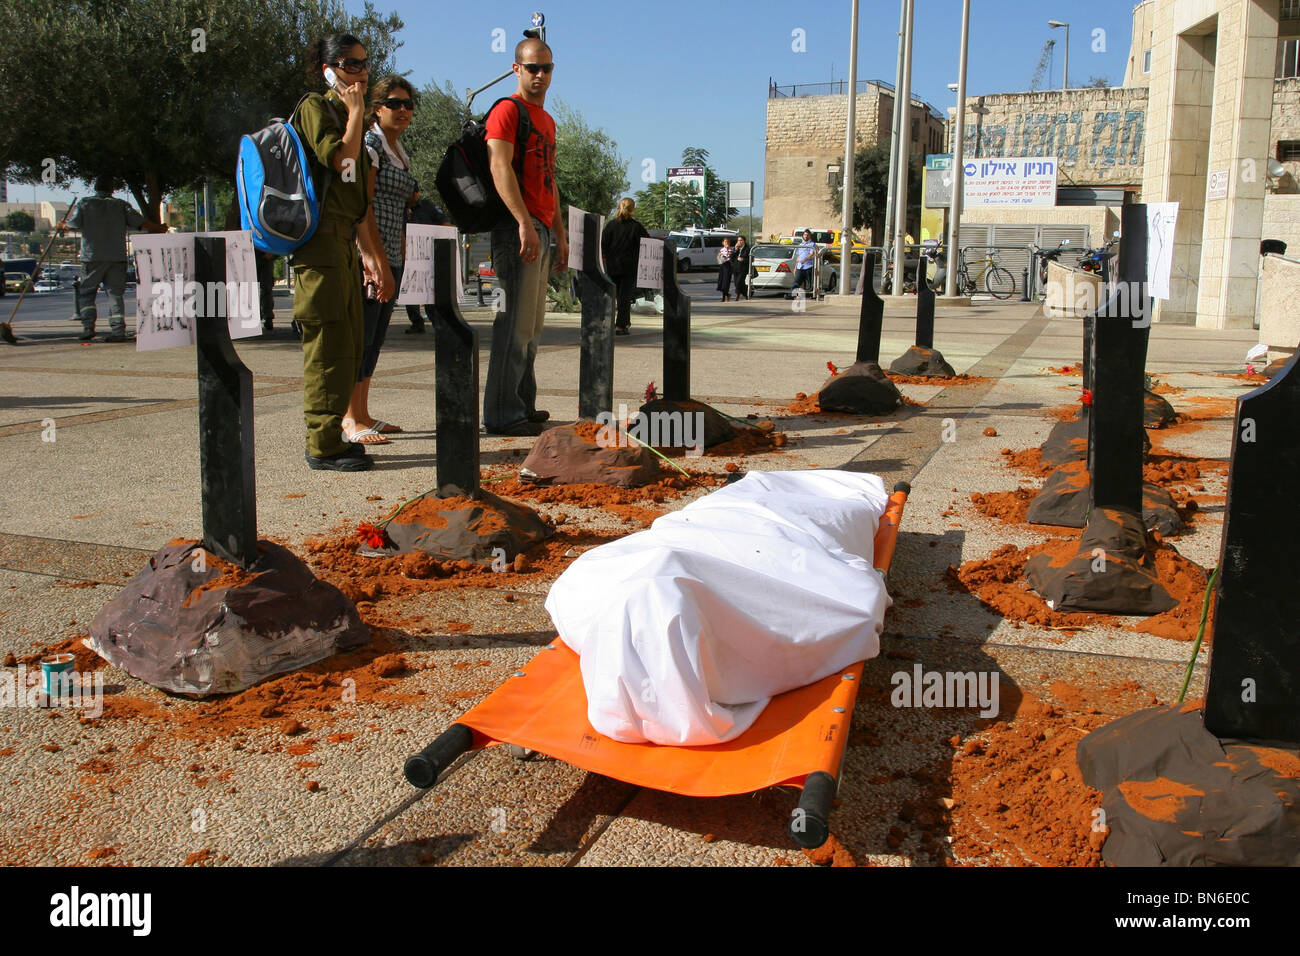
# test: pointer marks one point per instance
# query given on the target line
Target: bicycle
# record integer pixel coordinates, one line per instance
(997, 281)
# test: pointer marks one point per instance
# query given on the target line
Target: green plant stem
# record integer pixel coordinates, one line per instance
(1200, 633)
(659, 453)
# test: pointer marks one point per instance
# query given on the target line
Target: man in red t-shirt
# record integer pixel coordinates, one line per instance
(522, 254)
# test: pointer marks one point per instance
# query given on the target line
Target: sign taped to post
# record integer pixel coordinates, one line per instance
(650, 264)
(578, 236)
(1023, 181)
(1162, 217)
(417, 273)
(169, 299)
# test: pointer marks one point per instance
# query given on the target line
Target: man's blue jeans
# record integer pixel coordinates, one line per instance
(511, 389)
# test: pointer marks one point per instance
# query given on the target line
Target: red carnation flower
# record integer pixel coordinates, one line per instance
(650, 393)
(374, 537)
(1086, 397)
(833, 369)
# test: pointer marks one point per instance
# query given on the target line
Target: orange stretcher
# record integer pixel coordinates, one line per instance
(798, 740)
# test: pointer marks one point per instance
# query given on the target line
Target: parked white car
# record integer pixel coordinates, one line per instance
(698, 248)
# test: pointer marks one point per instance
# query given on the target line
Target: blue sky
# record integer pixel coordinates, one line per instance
(662, 76)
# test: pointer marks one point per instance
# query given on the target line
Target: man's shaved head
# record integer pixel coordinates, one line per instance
(528, 43)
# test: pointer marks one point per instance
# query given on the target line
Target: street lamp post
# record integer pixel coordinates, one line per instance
(958, 158)
(850, 138)
(1054, 24)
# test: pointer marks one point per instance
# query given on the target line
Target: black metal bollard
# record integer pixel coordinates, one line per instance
(677, 331)
(229, 491)
(871, 318)
(455, 346)
(596, 368)
(924, 305)
(1025, 295)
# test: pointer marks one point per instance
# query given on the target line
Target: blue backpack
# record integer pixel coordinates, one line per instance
(279, 194)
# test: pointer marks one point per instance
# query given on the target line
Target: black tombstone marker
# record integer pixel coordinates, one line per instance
(1254, 684)
(923, 358)
(455, 378)
(863, 388)
(596, 365)
(225, 424)
(1113, 569)
(677, 331)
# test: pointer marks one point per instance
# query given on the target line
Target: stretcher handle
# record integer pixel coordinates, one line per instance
(809, 822)
(887, 535)
(422, 769)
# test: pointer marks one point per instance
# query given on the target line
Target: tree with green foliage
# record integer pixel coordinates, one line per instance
(588, 169)
(156, 93)
(439, 116)
(673, 207)
(871, 189)
(20, 221)
(716, 210)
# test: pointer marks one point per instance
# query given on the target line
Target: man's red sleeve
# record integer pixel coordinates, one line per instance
(501, 125)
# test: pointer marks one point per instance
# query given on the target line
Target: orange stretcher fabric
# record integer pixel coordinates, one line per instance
(798, 733)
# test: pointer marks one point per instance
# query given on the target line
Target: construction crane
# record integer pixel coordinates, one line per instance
(1044, 64)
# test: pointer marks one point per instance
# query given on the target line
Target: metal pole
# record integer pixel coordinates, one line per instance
(207, 206)
(1065, 80)
(958, 158)
(883, 240)
(850, 142)
(904, 94)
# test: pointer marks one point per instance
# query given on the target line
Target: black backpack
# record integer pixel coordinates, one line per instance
(464, 179)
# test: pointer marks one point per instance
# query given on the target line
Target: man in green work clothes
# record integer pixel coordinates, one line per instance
(327, 282)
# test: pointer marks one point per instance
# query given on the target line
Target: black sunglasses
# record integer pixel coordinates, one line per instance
(535, 68)
(396, 103)
(352, 64)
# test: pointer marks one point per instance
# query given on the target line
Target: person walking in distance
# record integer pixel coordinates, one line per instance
(740, 268)
(620, 245)
(521, 251)
(724, 270)
(804, 254)
(103, 221)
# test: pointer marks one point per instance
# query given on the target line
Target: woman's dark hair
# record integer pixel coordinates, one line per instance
(382, 91)
(329, 50)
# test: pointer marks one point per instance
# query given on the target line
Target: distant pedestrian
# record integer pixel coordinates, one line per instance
(621, 247)
(805, 258)
(724, 269)
(740, 267)
(103, 221)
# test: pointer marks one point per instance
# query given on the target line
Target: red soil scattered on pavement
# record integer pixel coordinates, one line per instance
(1029, 461)
(1075, 369)
(641, 517)
(84, 659)
(808, 405)
(962, 379)
(832, 853)
(1019, 796)
(998, 582)
(594, 494)
(1005, 505)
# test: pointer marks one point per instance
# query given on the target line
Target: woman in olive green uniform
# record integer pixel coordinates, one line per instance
(327, 282)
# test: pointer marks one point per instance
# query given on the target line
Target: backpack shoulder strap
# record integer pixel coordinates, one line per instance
(326, 175)
(523, 130)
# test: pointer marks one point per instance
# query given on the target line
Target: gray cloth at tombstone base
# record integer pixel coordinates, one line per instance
(560, 457)
(1208, 802)
(104, 221)
(861, 389)
(164, 631)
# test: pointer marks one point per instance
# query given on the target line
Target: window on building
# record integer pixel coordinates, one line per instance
(1290, 10)
(1146, 59)
(1288, 151)
(916, 130)
(1288, 59)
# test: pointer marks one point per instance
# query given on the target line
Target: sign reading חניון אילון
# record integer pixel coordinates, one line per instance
(1014, 181)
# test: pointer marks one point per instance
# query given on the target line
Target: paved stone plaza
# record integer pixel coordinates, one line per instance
(151, 782)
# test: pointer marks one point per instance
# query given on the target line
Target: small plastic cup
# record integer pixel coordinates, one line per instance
(52, 669)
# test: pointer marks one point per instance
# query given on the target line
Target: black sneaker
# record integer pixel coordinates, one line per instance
(353, 458)
(538, 415)
(87, 335)
(520, 429)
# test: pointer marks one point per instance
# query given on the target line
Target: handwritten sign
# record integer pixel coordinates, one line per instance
(650, 264)
(577, 235)
(1162, 217)
(417, 274)
(169, 300)
(1011, 182)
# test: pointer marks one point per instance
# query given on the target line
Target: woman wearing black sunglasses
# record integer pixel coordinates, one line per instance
(327, 285)
(394, 191)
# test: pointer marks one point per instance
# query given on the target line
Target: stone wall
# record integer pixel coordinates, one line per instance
(805, 134)
(1279, 290)
(1097, 135)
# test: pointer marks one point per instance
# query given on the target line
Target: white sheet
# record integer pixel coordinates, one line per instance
(687, 629)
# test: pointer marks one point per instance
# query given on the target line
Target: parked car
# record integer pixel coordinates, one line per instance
(47, 285)
(698, 248)
(774, 268)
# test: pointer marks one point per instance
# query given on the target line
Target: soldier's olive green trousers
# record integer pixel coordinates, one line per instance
(327, 306)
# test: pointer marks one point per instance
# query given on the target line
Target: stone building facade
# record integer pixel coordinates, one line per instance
(805, 136)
